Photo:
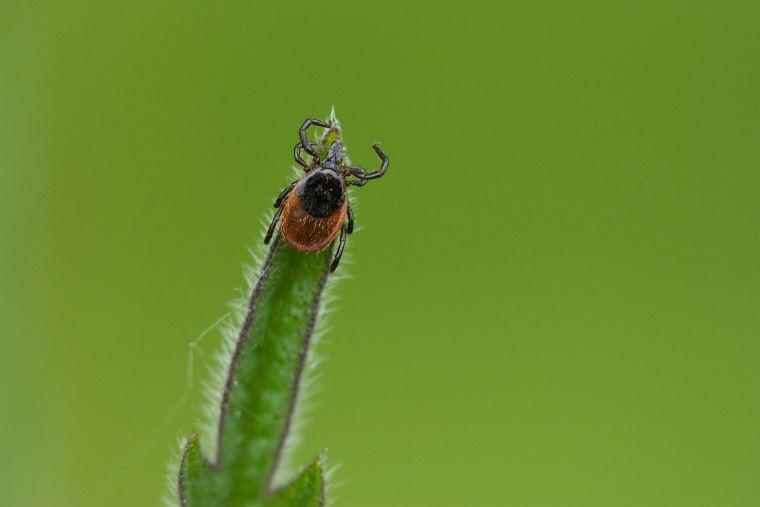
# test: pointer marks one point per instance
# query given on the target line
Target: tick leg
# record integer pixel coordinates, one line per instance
(339, 252)
(282, 195)
(350, 225)
(270, 231)
(357, 183)
(302, 134)
(297, 155)
(362, 175)
(383, 163)
(278, 204)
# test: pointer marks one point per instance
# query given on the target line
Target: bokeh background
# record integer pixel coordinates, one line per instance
(555, 297)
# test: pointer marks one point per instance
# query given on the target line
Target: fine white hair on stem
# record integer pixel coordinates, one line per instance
(170, 497)
(193, 349)
(217, 368)
(220, 364)
(331, 484)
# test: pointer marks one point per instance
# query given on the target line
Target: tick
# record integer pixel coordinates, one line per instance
(315, 208)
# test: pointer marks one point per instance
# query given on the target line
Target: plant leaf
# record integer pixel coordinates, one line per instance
(307, 490)
(195, 485)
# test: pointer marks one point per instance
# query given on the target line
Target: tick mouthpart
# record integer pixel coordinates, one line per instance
(336, 152)
(331, 166)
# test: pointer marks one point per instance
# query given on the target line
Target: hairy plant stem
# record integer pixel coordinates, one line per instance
(262, 387)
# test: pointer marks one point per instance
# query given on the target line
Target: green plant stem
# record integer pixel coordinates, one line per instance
(262, 387)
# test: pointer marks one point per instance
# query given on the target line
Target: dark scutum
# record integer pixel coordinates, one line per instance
(322, 194)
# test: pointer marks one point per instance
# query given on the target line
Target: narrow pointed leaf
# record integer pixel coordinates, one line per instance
(306, 490)
(195, 480)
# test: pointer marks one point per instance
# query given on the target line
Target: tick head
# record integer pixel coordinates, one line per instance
(335, 157)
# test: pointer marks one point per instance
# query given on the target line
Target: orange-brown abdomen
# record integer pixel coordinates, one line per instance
(305, 232)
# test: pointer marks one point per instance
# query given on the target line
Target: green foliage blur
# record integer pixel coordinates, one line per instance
(554, 296)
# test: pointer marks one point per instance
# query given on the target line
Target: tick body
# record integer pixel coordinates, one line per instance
(308, 225)
(315, 209)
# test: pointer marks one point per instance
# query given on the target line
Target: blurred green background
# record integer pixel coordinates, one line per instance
(555, 296)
